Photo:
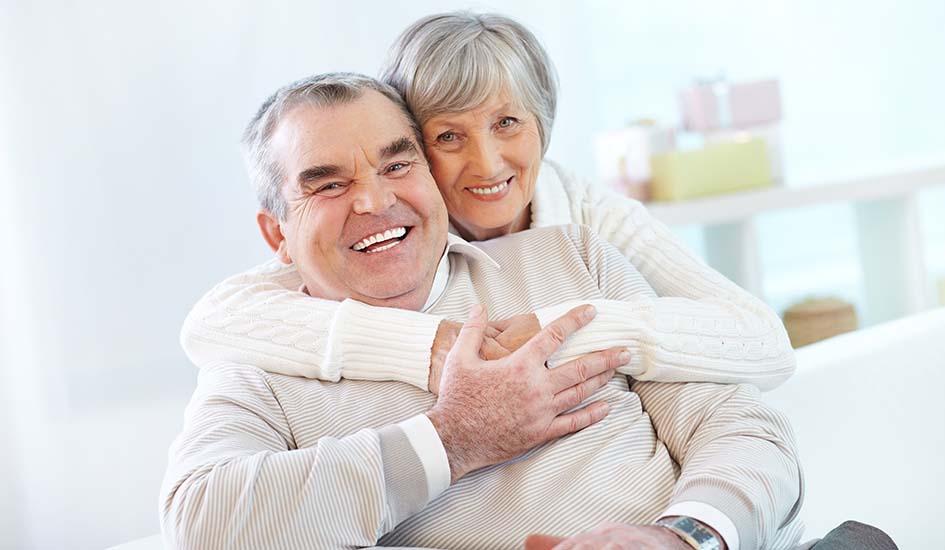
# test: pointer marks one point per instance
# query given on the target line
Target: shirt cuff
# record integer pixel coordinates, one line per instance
(426, 443)
(708, 515)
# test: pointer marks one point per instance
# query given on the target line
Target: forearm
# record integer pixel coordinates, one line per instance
(256, 318)
(722, 314)
(338, 494)
(736, 455)
(236, 480)
(679, 340)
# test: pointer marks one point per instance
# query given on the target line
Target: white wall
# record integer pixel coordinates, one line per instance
(123, 197)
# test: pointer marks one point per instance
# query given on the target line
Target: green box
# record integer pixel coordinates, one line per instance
(716, 168)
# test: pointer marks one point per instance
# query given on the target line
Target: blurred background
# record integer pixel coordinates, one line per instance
(124, 198)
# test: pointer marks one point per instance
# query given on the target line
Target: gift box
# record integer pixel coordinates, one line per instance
(716, 168)
(770, 134)
(623, 156)
(719, 104)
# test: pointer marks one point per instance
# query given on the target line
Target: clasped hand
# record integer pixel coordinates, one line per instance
(490, 411)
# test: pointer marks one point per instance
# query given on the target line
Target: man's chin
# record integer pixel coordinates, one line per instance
(400, 296)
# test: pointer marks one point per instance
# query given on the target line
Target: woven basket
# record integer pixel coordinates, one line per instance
(817, 319)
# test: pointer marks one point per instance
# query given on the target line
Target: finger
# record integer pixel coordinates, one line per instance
(541, 542)
(492, 350)
(575, 395)
(587, 366)
(578, 420)
(550, 338)
(470, 336)
(500, 325)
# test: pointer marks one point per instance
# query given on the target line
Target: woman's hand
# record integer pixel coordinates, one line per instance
(500, 340)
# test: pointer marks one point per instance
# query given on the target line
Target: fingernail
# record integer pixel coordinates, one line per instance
(476, 311)
(624, 357)
(589, 313)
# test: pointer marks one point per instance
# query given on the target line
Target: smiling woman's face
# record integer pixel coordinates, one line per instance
(485, 162)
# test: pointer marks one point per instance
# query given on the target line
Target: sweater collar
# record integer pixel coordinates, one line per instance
(550, 203)
(458, 245)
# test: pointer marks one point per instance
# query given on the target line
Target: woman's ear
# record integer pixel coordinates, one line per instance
(271, 229)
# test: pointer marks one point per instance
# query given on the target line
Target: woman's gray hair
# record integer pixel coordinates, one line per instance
(324, 90)
(453, 62)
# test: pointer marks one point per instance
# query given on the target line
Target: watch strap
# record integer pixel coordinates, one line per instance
(692, 531)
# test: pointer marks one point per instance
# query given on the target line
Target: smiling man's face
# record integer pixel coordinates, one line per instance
(364, 219)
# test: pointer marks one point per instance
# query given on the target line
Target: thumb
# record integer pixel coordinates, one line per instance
(541, 542)
(471, 335)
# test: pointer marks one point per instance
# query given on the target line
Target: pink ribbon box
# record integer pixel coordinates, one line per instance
(721, 105)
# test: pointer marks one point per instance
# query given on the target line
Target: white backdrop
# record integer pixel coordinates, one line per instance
(123, 197)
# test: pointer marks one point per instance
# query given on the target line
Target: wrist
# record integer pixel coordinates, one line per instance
(694, 533)
(457, 453)
(446, 334)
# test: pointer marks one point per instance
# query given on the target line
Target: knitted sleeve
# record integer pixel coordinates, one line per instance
(703, 327)
(259, 318)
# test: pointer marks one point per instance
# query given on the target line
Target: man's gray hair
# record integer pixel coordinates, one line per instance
(453, 62)
(324, 90)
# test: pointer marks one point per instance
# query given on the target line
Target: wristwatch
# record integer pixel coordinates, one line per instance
(694, 532)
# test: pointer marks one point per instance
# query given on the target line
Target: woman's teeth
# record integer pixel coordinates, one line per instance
(395, 233)
(490, 190)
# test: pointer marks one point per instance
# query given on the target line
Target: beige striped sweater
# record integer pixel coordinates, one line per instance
(272, 461)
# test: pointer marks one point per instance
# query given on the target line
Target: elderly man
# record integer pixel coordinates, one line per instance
(269, 461)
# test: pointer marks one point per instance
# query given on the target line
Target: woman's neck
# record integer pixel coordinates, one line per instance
(521, 223)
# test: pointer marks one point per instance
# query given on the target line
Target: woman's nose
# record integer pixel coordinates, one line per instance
(485, 158)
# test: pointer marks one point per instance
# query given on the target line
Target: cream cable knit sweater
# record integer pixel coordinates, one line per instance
(701, 328)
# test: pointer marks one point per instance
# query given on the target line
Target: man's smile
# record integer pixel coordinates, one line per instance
(381, 241)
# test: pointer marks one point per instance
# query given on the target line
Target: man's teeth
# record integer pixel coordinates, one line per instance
(395, 233)
(490, 190)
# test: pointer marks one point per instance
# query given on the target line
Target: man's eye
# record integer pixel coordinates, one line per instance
(397, 167)
(329, 188)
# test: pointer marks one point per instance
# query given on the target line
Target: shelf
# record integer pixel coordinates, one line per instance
(885, 204)
(737, 206)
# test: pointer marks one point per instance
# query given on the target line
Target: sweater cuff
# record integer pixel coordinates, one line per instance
(380, 343)
(427, 444)
(728, 504)
(710, 516)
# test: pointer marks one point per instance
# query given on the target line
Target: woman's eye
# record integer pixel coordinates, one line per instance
(506, 122)
(447, 137)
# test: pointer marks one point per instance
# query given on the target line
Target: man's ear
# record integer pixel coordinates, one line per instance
(271, 229)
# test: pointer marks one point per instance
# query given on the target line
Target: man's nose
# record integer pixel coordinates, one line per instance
(485, 157)
(373, 197)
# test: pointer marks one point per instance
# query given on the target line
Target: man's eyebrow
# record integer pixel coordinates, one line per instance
(318, 172)
(397, 147)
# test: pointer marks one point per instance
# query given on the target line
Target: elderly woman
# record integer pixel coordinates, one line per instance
(484, 92)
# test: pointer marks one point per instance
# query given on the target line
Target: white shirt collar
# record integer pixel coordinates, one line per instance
(457, 244)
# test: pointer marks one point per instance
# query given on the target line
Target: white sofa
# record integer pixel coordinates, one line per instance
(869, 412)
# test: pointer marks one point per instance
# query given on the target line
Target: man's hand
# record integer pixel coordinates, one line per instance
(612, 536)
(491, 411)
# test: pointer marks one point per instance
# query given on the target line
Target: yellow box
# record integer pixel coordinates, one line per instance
(941, 292)
(716, 168)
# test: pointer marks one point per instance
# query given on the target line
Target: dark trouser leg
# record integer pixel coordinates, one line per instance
(852, 535)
